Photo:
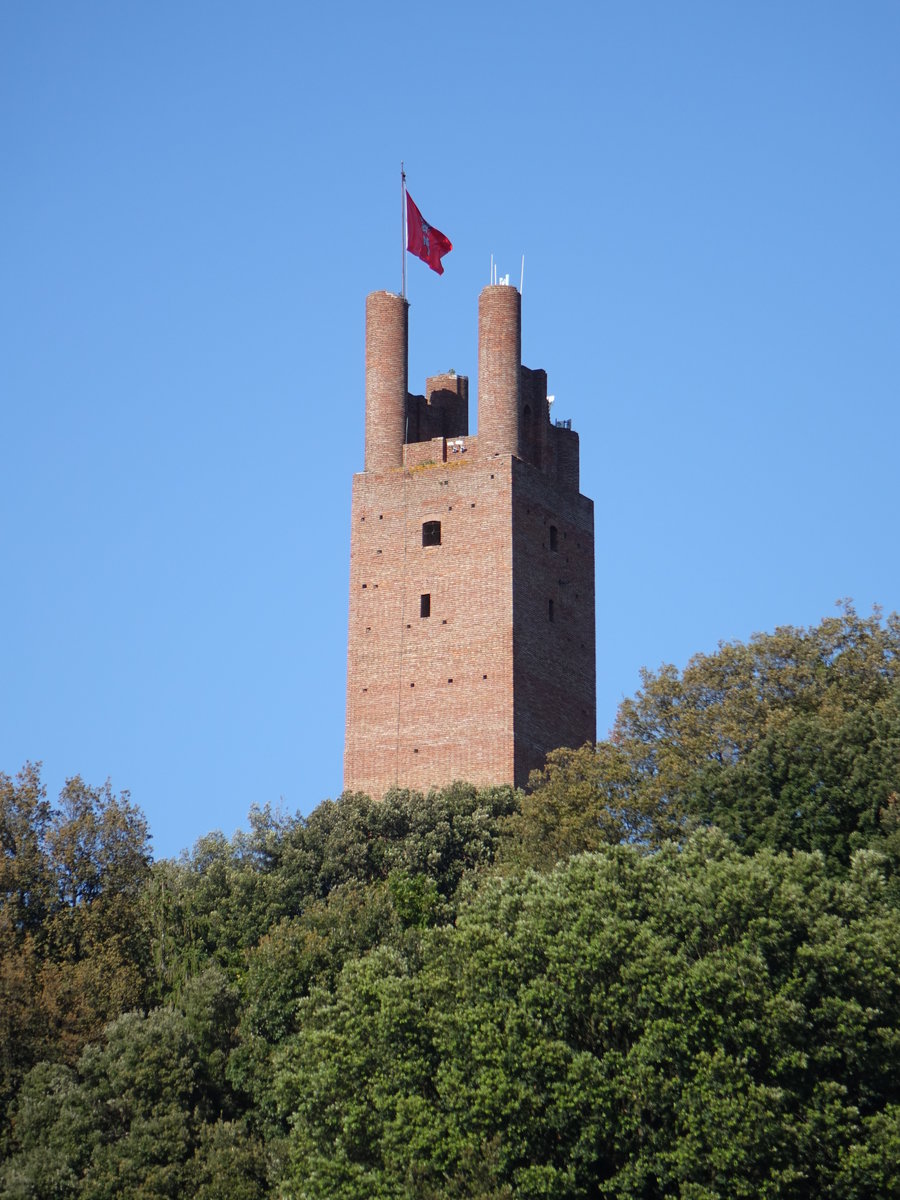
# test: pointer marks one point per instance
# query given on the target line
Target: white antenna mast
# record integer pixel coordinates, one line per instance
(522, 277)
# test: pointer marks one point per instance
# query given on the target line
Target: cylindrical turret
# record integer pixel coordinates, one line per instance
(387, 337)
(499, 360)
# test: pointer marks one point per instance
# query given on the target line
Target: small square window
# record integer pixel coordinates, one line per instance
(425, 604)
(431, 533)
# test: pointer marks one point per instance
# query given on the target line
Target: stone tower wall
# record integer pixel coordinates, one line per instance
(428, 697)
(471, 628)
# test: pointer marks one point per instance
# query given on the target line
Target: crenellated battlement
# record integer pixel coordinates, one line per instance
(513, 412)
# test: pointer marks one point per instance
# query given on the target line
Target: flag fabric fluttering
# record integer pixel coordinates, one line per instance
(423, 239)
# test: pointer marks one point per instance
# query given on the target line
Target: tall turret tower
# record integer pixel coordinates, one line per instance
(471, 642)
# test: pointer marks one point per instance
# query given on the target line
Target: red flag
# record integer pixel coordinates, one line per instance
(423, 239)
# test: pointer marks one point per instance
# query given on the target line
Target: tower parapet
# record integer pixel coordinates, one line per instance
(567, 458)
(442, 412)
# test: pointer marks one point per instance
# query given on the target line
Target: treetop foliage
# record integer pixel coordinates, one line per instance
(692, 1022)
(790, 741)
(670, 966)
(72, 950)
(723, 705)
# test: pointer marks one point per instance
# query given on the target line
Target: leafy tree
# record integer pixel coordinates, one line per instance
(690, 1022)
(27, 883)
(360, 1003)
(73, 949)
(282, 908)
(789, 741)
(54, 1133)
(217, 903)
(441, 835)
(229, 1164)
(144, 1113)
(726, 705)
(310, 951)
(817, 782)
(584, 799)
(213, 904)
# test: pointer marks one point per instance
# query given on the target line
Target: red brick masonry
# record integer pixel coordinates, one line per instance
(473, 657)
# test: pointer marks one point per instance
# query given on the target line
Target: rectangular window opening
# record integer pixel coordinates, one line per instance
(549, 610)
(431, 533)
(425, 604)
(554, 538)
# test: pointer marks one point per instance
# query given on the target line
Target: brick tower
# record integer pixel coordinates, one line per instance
(471, 642)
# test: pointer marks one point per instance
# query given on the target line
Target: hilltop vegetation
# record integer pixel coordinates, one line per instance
(671, 967)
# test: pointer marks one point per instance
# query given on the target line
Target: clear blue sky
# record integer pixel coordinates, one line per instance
(196, 199)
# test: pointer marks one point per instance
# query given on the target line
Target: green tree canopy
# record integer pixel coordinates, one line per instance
(143, 1114)
(790, 741)
(692, 1022)
(73, 949)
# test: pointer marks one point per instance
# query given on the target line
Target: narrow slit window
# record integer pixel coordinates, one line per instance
(554, 538)
(425, 604)
(431, 533)
(549, 610)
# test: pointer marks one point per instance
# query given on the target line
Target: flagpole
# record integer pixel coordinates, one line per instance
(403, 231)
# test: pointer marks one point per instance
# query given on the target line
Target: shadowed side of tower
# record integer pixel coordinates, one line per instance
(471, 641)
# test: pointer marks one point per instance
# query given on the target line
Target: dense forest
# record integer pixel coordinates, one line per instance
(669, 967)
